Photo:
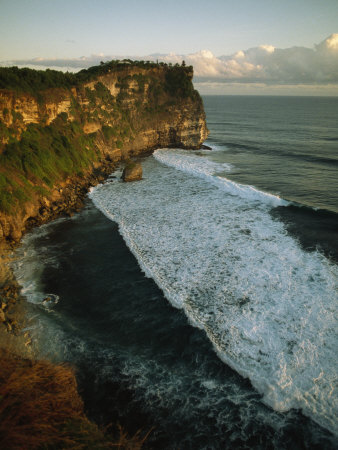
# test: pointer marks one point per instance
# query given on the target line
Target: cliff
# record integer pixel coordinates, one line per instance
(61, 133)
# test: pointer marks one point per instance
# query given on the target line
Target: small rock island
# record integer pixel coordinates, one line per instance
(132, 171)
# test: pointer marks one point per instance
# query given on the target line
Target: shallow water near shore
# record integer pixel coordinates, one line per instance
(250, 269)
(138, 359)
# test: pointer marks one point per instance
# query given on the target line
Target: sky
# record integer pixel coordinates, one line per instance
(236, 46)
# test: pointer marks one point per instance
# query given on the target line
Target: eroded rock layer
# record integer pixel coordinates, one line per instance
(55, 143)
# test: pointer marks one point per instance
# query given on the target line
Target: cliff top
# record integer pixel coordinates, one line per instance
(31, 81)
(57, 126)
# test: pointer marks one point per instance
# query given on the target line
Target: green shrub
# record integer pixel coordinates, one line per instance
(178, 82)
(108, 132)
(103, 93)
(91, 97)
(16, 116)
(141, 79)
(4, 131)
(6, 202)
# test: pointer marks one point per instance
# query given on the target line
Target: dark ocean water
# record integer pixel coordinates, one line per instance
(243, 242)
(287, 146)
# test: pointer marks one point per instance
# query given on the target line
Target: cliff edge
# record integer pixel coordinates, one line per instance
(61, 133)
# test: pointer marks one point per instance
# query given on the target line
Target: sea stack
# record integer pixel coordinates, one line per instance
(132, 171)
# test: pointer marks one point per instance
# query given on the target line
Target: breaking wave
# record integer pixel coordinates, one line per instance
(208, 170)
(210, 244)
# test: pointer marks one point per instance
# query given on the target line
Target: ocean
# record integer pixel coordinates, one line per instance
(201, 302)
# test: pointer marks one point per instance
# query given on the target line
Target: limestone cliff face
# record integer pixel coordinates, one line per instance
(172, 121)
(124, 112)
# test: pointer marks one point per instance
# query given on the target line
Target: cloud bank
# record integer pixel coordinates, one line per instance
(263, 65)
(269, 65)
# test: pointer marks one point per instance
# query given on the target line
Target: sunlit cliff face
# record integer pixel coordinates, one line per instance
(124, 112)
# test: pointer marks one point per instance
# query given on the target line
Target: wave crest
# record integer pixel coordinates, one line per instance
(186, 161)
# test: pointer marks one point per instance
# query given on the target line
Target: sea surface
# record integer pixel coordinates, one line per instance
(201, 302)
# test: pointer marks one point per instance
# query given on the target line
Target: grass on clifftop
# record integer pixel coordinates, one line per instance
(40, 408)
(31, 81)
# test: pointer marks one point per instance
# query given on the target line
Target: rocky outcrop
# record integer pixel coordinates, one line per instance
(159, 119)
(9, 294)
(125, 112)
(132, 172)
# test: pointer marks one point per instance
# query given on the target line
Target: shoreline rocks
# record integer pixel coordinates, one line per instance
(132, 171)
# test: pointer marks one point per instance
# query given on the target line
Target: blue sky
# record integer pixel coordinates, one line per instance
(70, 29)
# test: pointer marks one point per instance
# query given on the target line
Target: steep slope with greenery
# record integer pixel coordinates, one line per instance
(62, 132)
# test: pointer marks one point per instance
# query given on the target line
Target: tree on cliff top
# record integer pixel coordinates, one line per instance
(32, 81)
(178, 81)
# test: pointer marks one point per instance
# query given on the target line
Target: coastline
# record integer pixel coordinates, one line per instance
(15, 337)
(60, 138)
(138, 358)
(134, 309)
(56, 143)
(136, 427)
(71, 200)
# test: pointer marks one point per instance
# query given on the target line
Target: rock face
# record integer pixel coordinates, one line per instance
(132, 172)
(159, 117)
(127, 111)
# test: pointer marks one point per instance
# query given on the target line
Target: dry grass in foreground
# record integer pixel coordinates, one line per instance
(40, 408)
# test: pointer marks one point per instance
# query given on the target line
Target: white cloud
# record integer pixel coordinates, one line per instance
(268, 48)
(270, 65)
(330, 44)
(264, 64)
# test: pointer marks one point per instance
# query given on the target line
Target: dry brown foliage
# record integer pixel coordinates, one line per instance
(41, 408)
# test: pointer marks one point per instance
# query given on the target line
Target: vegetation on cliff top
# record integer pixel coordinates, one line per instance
(31, 81)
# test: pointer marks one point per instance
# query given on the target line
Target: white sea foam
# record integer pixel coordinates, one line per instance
(268, 307)
(181, 160)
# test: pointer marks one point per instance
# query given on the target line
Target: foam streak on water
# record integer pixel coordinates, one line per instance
(267, 306)
(208, 171)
